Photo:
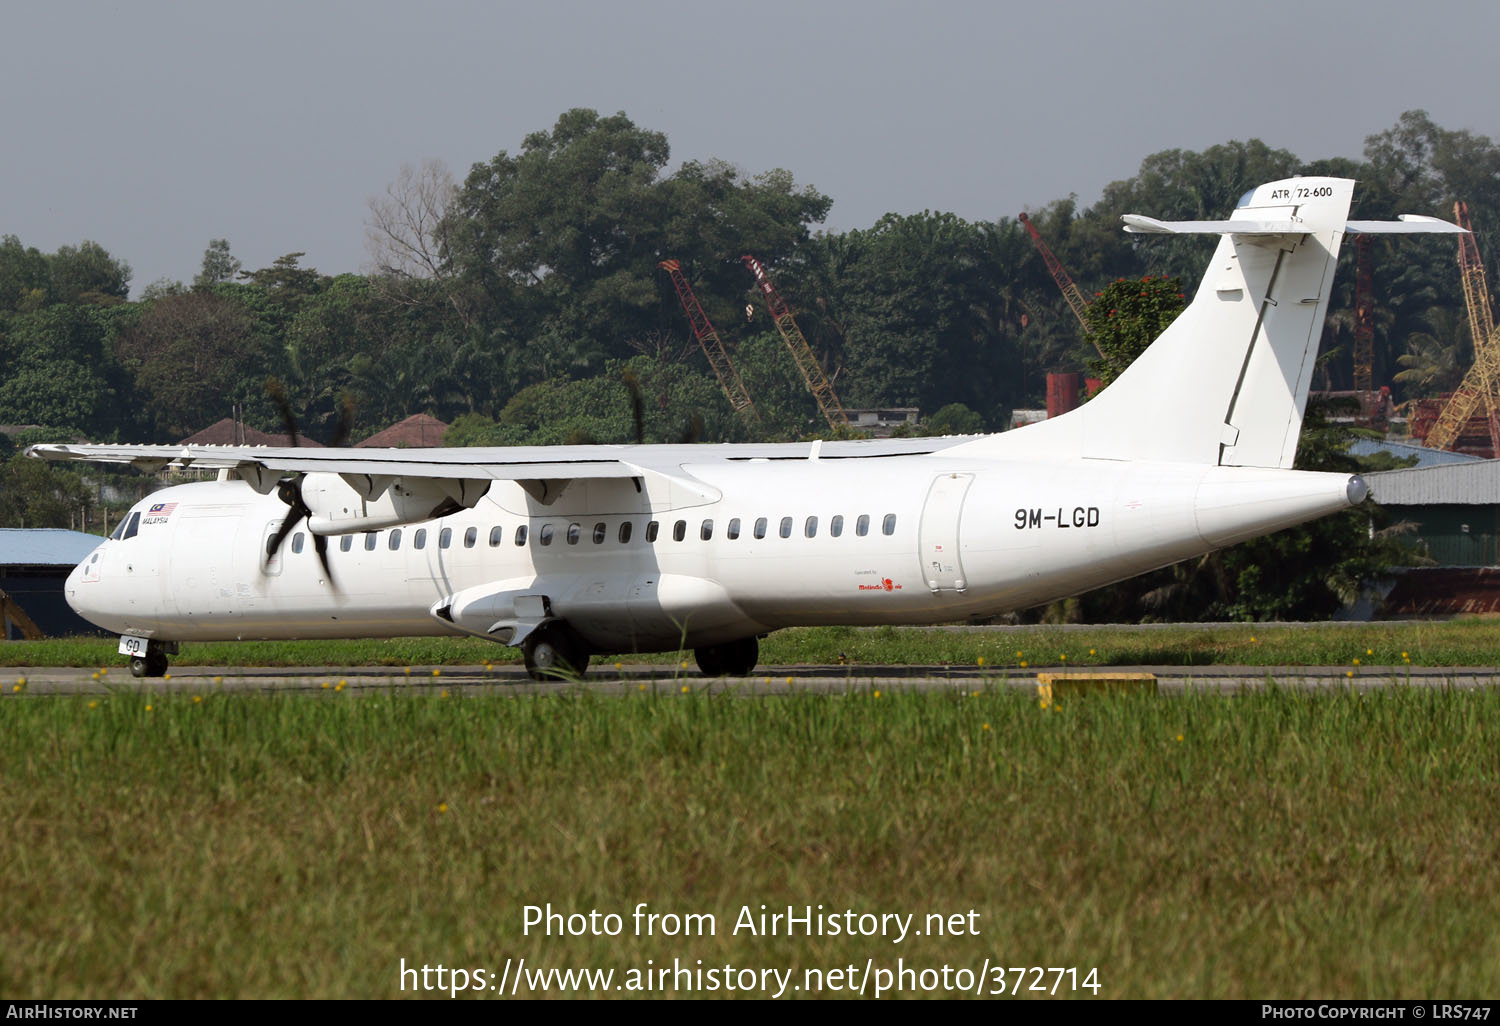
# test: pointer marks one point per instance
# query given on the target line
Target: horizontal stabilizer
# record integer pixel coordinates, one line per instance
(1142, 223)
(1408, 224)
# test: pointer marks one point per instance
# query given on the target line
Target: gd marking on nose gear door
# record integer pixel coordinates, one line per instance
(938, 544)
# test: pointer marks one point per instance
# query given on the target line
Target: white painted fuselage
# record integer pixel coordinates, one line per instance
(779, 543)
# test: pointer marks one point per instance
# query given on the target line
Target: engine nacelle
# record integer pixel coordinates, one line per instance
(346, 503)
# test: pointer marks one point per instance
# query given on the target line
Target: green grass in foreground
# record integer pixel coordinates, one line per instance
(1274, 843)
(1473, 642)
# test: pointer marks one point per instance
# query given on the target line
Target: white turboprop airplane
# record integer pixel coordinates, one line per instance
(567, 551)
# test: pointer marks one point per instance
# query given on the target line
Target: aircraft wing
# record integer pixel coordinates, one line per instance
(544, 471)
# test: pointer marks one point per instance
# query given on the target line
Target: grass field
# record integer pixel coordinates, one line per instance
(1471, 642)
(1277, 843)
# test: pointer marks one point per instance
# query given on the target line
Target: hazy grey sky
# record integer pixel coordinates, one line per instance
(152, 127)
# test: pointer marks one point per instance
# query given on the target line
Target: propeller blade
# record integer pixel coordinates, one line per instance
(345, 426)
(637, 405)
(277, 391)
(320, 546)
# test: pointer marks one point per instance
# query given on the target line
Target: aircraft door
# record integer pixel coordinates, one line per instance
(938, 546)
(272, 564)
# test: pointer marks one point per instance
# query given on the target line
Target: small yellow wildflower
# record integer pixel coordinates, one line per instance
(104, 671)
(643, 687)
(1348, 673)
(1356, 660)
(444, 694)
(408, 671)
(437, 673)
(166, 676)
(197, 699)
(94, 675)
(442, 806)
(1064, 657)
(1023, 664)
(684, 664)
(985, 727)
(981, 660)
(619, 666)
(218, 680)
(93, 705)
(1091, 651)
(1179, 737)
(148, 708)
(1369, 651)
(684, 689)
(1018, 653)
(789, 680)
(341, 686)
(1042, 702)
(877, 694)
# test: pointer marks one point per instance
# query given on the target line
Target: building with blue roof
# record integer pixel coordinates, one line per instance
(34, 566)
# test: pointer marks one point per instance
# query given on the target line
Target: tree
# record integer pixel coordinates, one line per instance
(37, 494)
(562, 240)
(188, 354)
(1126, 316)
(25, 275)
(218, 265)
(86, 273)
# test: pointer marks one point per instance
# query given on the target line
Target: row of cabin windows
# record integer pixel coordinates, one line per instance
(574, 533)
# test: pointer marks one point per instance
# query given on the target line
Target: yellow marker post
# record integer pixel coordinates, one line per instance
(1050, 686)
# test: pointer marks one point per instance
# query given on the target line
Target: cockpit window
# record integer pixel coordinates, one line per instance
(132, 526)
(119, 529)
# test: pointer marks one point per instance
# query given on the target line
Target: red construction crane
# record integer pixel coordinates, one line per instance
(1071, 292)
(1364, 332)
(713, 348)
(817, 381)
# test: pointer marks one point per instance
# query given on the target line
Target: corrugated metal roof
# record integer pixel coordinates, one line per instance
(44, 546)
(1425, 457)
(1453, 484)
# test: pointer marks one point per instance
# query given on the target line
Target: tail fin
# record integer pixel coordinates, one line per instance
(1227, 382)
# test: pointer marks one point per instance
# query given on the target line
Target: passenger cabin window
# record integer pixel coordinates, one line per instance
(521, 535)
(346, 543)
(651, 530)
(733, 530)
(786, 527)
(760, 527)
(862, 525)
(679, 530)
(706, 530)
(889, 527)
(370, 542)
(625, 532)
(394, 541)
(497, 535)
(445, 537)
(836, 526)
(297, 540)
(599, 532)
(810, 529)
(470, 537)
(419, 540)
(573, 532)
(132, 526)
(545, 534)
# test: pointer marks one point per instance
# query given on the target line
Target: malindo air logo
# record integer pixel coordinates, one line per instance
(159, 512)
(885, 584)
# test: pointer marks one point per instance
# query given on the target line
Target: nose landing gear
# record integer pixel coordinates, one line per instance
(152, 664)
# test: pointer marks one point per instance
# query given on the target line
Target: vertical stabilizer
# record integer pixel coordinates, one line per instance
(1227, 382)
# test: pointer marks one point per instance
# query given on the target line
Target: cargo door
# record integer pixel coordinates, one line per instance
(938, 538)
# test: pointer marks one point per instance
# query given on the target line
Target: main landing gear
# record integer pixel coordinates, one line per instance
(732, 659)
(553, 652)
(152, 664)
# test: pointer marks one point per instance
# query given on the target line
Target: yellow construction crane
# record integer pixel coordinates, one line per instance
(817, 382)
(1481, 385)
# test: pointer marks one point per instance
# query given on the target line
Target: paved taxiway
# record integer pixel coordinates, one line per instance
(606, 679)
